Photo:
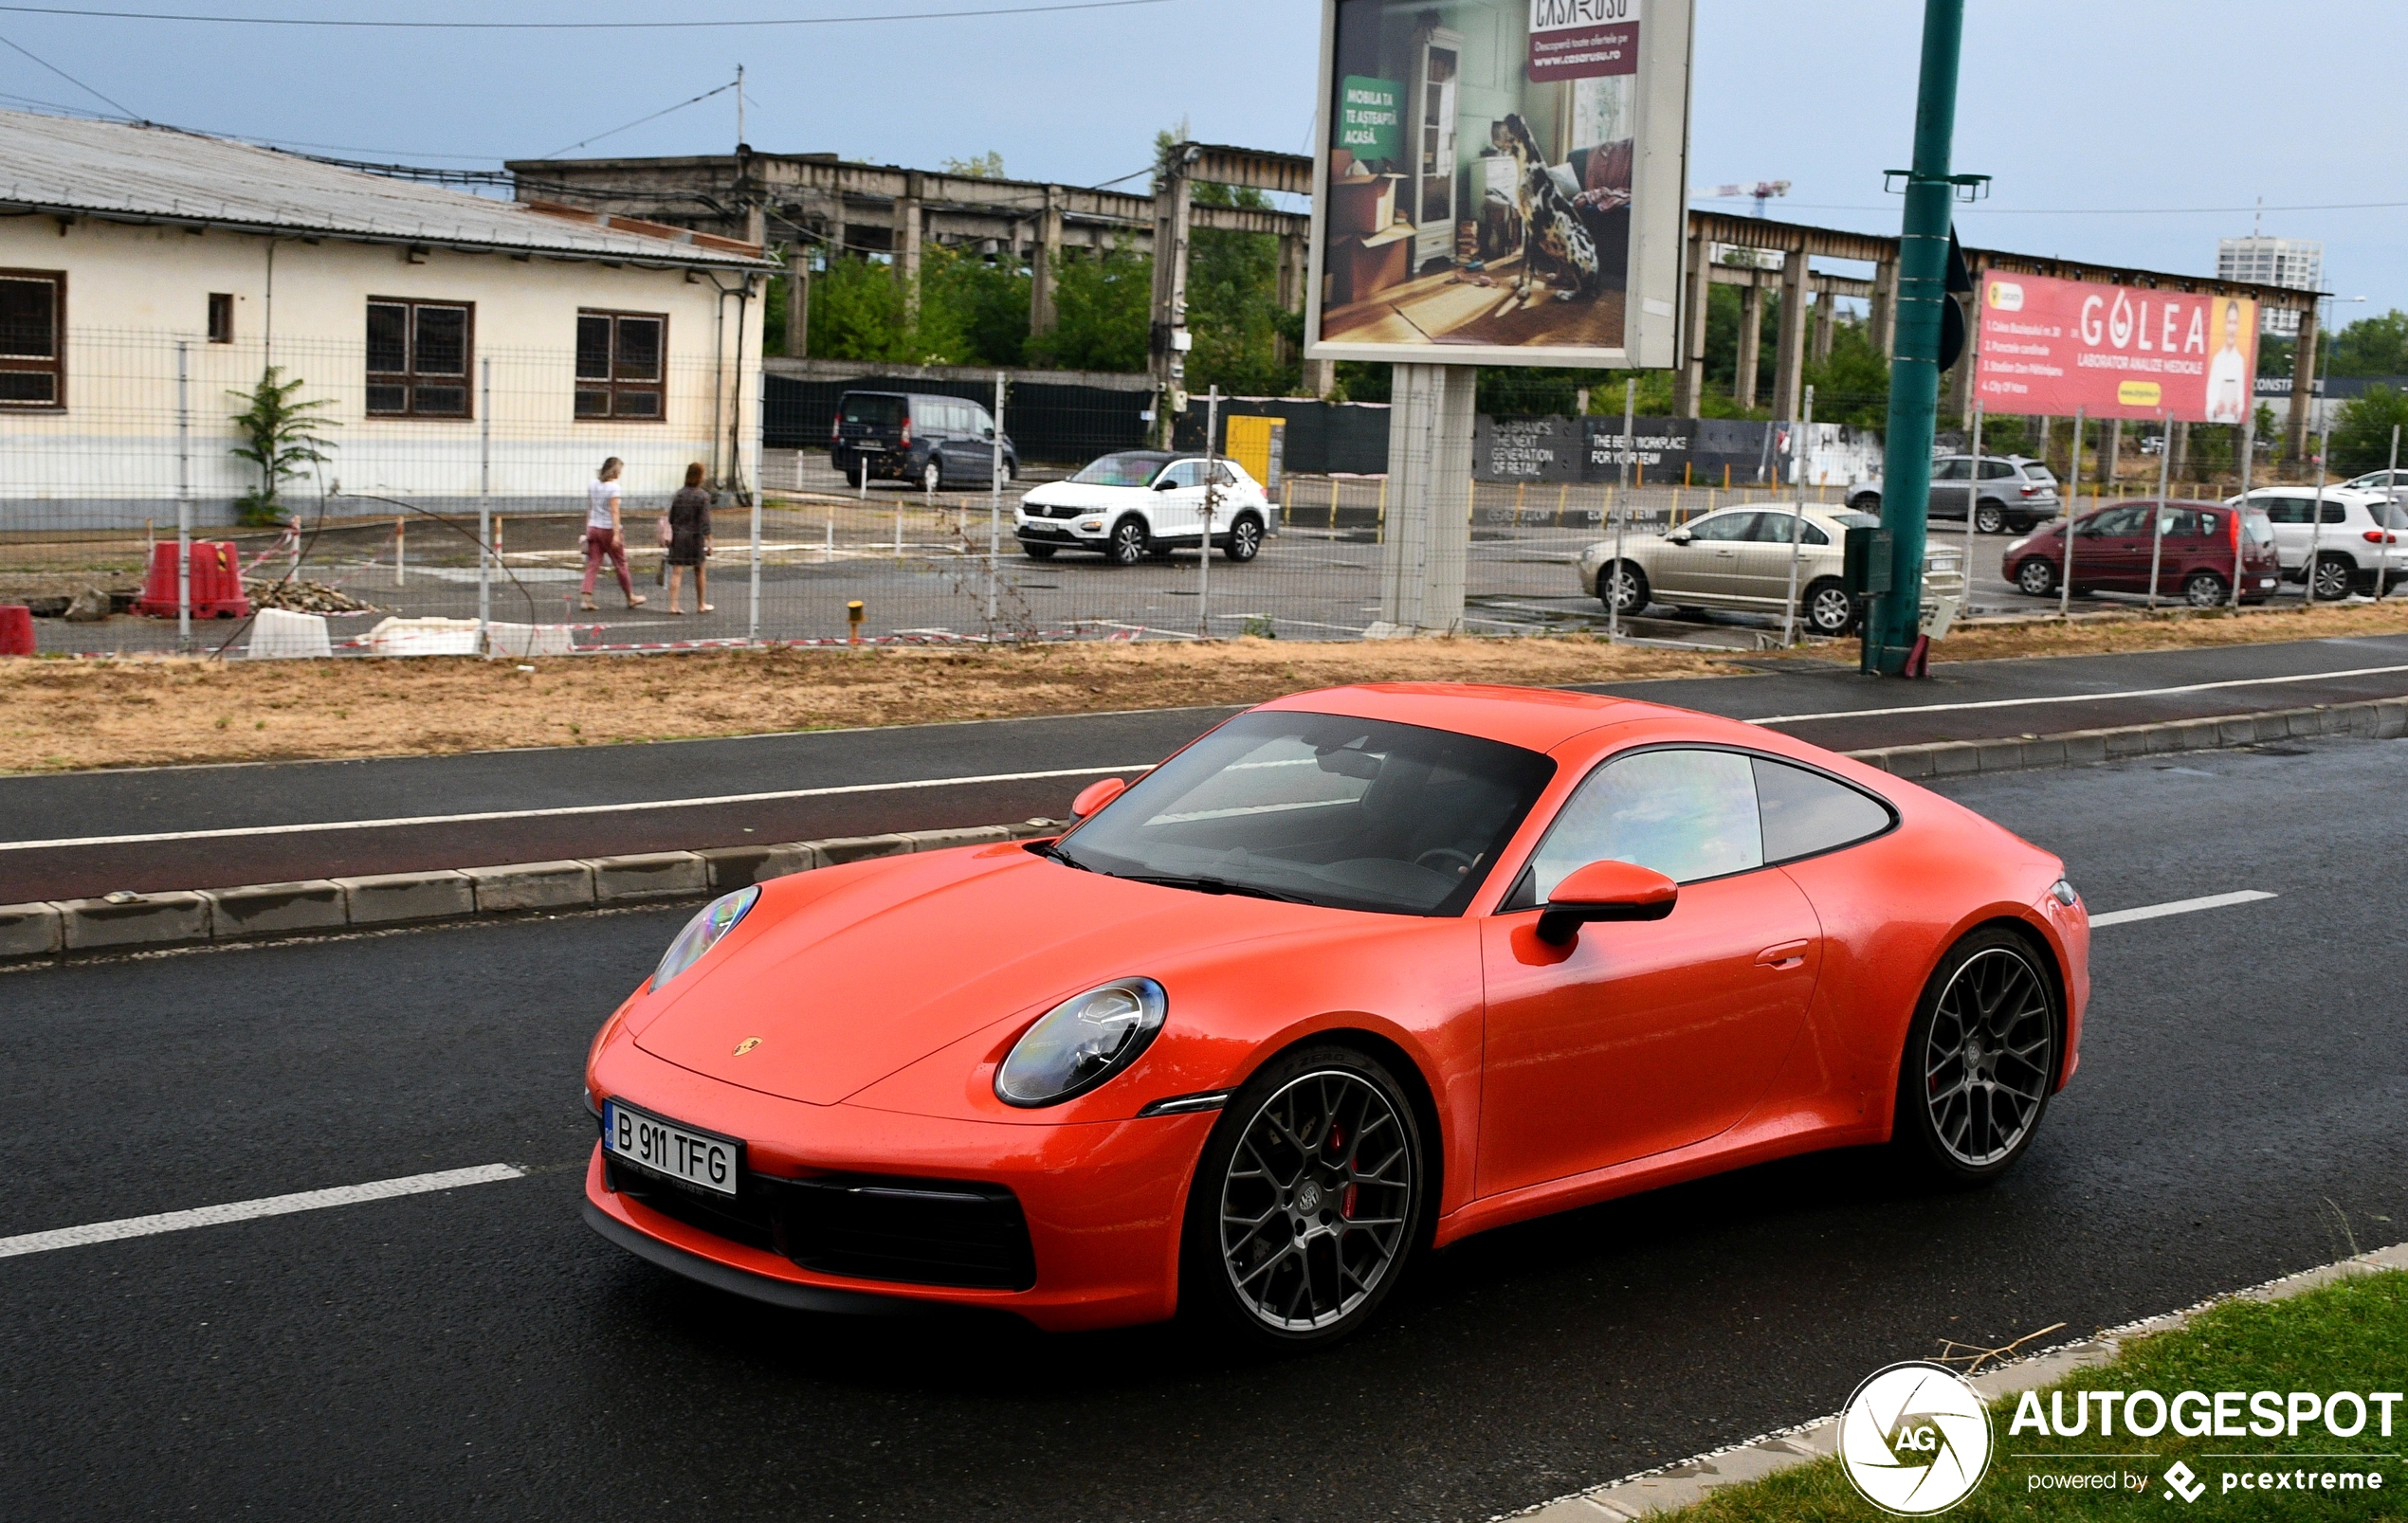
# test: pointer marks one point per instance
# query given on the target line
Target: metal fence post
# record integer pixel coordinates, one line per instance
(183, 497)
(2072, 505)
(1973, 508)
(753, 548)
(1797, 528)
(2157, 518)
(1204, 563)
(1621, 509)
(2316, 524)
(994, 509)
(2391, 499)
(2249, 458)
(484, 511)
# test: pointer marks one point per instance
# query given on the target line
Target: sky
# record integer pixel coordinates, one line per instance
(2128, 131)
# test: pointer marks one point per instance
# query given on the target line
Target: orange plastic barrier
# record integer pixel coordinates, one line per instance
(16, 629)
(217, 582)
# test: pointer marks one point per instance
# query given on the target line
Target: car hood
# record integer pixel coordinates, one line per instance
(1080, 495)
(853, 977)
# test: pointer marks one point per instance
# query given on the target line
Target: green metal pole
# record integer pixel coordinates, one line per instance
(1914, 376)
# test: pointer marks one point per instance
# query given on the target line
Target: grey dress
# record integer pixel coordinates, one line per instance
(690, 525)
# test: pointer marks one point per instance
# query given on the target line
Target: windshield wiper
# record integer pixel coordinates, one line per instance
(1054, 850)
(1217, 885)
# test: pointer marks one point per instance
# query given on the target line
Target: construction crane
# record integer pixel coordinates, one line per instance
(1762, 191)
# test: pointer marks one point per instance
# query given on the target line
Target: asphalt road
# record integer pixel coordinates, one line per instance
(866, 781)
(481, 1353)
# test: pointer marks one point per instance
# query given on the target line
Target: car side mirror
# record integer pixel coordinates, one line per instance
(1165, 484)
(987, 433)
(1678, 536)
(1096, 795)
(1605, 891)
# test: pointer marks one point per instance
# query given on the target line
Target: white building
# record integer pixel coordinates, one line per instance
(2296, 264)
(460, 345)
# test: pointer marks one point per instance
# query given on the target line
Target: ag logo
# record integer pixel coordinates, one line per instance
(1914, 1440)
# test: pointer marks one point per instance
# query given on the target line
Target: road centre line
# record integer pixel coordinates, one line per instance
(247, 831)
(2080, 698)
(2153, 912)
(206, 1216)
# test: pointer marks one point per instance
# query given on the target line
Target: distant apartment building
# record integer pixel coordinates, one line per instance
(2295, 262)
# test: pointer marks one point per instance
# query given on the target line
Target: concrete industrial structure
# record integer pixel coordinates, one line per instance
(2294, 264)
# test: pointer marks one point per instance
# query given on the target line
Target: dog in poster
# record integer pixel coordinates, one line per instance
(1551, 227)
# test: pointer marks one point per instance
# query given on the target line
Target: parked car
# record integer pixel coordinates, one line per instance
(2361, 532)
(2386, 482)
(2113, 545)
(2016, 492)
(932, 442)
(1737, 559)
(1139, 503)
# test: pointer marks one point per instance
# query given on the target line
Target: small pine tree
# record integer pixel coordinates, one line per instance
(279, 435)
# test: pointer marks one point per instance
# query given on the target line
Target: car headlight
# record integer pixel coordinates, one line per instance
(1081, 1042)
(701, 934)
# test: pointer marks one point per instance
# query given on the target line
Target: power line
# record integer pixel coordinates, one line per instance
(65, 74)
(569, 26)
(641, 121)
(2102, 211)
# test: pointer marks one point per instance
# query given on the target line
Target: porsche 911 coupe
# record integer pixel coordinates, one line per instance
(1354, 975)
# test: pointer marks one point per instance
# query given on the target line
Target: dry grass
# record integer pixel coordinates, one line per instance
(63, 715)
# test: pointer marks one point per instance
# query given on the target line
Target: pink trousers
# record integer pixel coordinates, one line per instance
(599, 543)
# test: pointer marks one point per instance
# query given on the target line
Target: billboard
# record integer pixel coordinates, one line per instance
(2049, 346)
(1499, 182)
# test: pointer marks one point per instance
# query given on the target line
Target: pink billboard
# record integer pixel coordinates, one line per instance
(2049, 346)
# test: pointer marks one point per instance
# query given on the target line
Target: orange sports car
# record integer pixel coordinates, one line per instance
(1356, 975)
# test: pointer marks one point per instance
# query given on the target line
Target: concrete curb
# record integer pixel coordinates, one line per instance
(2376, 718)
(155, 922)
(1669, 1487)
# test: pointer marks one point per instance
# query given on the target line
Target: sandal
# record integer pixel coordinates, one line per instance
(708, 608)
(680, 612)
(587, 606)
(636, 600)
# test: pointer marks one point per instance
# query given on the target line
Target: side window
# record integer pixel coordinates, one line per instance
(1806, 813)
(1949, 470)
(2286, 509)
(1185, 473)
(980, 422)
(1222, 475)
(1724, 527)
(1688, 814)
(2335, 513)
(2117, 524)
(1996, 470)
(1776, 528)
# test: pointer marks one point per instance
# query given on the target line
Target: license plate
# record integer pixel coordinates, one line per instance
(869, 446)
(677, 1153)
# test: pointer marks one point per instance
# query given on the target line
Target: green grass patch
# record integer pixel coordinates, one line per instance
(2352, 1335)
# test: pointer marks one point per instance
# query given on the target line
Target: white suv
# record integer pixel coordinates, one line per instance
(1141, 502)
(2361, 532)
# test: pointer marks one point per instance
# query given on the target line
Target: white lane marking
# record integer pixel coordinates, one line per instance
(2151, 912)
(246, 831)
(209, 1216)
(2081, 697)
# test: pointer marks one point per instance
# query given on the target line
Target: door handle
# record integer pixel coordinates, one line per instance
(1727, 554)
(1788, 955)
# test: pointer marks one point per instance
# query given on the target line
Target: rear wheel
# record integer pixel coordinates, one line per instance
(2036, 578)
(1990, 518)
(2204, 590)
(1829, 610)
(1865, 502)
(1307, 1202)
(1127, 545)
(1245, 539)
(1622, 588)
(1980, 1059)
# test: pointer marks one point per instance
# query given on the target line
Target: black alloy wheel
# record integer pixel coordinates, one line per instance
(2204, 590)
(1245, 539)
(1308, 1200)
(1980, 1059)
(1127, 545)
(1830, 611)
(2036, 577)
(1990, 518)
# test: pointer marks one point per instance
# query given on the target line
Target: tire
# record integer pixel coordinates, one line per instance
(932, 475)
(1270, 1224)
(1866, 502)
(2037, 577)
(2335, 576)
(1245, 539)
(1126, 546)
(1622, 588)
(2205, 590)
(1980, 1060)
(1038, 551)
(1826, 608)
(1989, 519)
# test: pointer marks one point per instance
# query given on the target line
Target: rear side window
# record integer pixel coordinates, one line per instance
(1776, 528)
(2255, 526)
(1996, 470)
(1806, 813)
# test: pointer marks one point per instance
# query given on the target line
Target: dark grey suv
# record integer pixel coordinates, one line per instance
(930, 440)
(2014, 492)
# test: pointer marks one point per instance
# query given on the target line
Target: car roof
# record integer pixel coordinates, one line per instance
(1535, 718)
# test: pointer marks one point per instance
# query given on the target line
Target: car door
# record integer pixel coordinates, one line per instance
(2106, 558)
(978, 444)
(1177, 508)
(2291, 512)
(1951, 486)
(1707, 567)
(1642, 1037)
(1763, 559)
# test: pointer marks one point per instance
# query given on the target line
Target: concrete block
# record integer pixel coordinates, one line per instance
(2156, 740)
(985, 835)
(1954, 759)
(270, 909)
(29, 930)
(734, 867)
(134, 921)
(2239, 731)
(556, 885)
(2306, 723)
(857, 848)
(652, 875)
(2271, 725)
(1999, 755)
(2125, 742)
(1031, 830)
(396, 898)
(2391, 719)
(2043, 753)
(2085, 748)
(2198, 734)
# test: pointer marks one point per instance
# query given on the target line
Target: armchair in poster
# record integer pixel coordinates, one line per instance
(2049, 346)
(1501, 182)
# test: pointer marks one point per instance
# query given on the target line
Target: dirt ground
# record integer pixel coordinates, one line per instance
(63, 714)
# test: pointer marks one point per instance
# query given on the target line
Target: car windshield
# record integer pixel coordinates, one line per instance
(1354, 814)
(2259, 528)
(873, 410)
(1120, 470)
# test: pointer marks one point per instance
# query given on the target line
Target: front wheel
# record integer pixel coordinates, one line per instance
(2334, 575)
(1245, 539)
(1865, 502)
(2204, 590)
(1989, 519)
(1980, 1059)
(2036, 578)
(1623, 589)
(1307, 1203)
(1830, 611)
(1038, 551)
(1127, 545)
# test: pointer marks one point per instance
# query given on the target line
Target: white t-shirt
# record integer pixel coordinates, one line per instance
(2227, 388)
(601, 501)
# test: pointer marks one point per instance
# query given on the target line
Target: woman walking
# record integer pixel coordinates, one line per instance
(603, 536)
(690, 539)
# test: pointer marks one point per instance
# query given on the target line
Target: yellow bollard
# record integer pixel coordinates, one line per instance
(853, 615)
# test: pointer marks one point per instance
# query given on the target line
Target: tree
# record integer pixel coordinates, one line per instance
(281, 437)
(1103, 307)
(2373, 346)
(972, 311)
(986, 166)
(1852, 385)
(857, 313)
(2361, 430)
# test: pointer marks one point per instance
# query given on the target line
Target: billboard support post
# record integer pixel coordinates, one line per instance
(2249, 456)
(1914, 379)
(1430, 514)
(2072, 513)
(2157, 518)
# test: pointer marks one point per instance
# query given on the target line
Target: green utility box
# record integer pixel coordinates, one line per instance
(1866, 570)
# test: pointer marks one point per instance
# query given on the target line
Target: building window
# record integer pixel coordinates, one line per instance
(34, 325)
(621, 363)
(418, 355)
(221, 317)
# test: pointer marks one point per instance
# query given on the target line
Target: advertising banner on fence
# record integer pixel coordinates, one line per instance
(2049, 346)
(1499, 182)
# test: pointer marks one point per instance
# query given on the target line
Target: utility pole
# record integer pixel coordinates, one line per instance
(1914, 377)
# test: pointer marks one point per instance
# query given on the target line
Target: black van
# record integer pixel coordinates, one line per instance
(934, 442)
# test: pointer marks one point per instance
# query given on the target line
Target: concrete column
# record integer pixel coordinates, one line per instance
(2303, 385)
(1046, 265)
(1751, 333)
(1884, 321)
(1429, 527)
(1688, 382)
(907, 230)
(798, 304)
(1320, 377)
(1789, 348)
(1171, 209)
(836, 228)
(1826, 323)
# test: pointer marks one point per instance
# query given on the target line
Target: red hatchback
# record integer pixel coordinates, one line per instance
(2204, 545)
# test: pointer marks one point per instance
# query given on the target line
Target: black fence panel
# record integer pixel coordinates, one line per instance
(1322, 438)
(1049, 421)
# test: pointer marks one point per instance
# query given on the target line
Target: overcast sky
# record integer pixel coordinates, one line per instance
(2130, 113)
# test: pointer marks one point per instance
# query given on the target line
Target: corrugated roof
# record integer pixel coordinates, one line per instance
(119, 171)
